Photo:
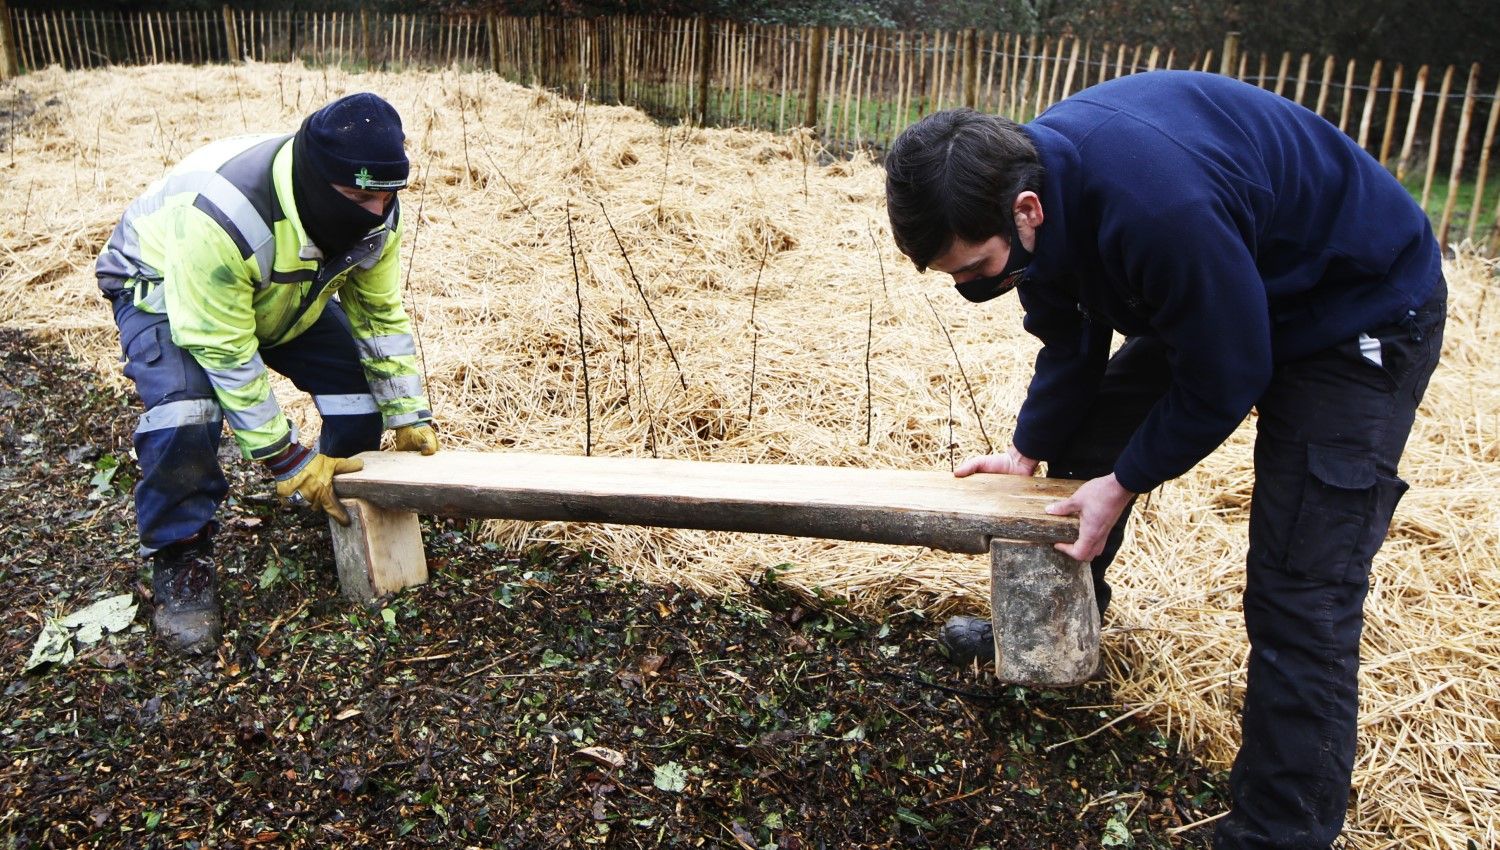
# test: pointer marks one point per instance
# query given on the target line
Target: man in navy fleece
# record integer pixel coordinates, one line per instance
(1253, 257)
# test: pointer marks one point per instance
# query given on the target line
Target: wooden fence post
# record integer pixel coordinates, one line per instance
(971, 68)
(903, 83)
(46, 28)
(1286, 59)
(1231, 55)
(1302, 78)
(619, 41)
(1456, 170)
(1484, 168)
(1323, 87)
(67, 44)
(989, 81)
(705, 66)
(1411, 123)
(534, 27)
(492, 21)
(1348, 96)
(1390, 116)
(1067, 85)
(231, 40)
(814, 74)
(1369, 113)
(831, 80)
(43, 51)
(1042, 68)
(1437, 136)
(1025, 76)
(9, 67)
(930, 71)
(851, 76)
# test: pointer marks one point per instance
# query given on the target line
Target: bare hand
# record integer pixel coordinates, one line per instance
(1097, 504)
(1010, 463)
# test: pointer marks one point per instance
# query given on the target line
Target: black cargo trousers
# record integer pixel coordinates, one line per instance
(1330, 430)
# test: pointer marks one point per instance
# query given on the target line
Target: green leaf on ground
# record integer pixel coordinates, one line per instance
(55, 644)
(114, 614)
(102, 481)
(271, 574)
(670, 777)
(908, 816)
(1116, 833)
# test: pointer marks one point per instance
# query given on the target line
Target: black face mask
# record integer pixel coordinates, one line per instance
(983, 289)
(333, 222)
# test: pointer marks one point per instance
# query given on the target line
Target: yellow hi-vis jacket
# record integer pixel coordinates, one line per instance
(218, 247)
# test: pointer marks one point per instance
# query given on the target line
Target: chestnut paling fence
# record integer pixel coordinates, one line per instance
(856, 88)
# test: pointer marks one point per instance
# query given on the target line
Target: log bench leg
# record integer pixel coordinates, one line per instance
(379, 552)
(1045, 620)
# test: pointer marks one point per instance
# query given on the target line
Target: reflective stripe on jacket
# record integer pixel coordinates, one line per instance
(217, 245)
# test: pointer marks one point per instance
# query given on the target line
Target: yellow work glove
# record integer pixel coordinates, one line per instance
(311, 484)
(416, 438)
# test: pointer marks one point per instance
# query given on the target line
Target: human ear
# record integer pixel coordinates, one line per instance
(1028, 210)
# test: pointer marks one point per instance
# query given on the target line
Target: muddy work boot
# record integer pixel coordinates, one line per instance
(185, 584)
(968, 639)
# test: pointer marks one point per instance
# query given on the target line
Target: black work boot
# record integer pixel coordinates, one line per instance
(185, 585)
(968, 639)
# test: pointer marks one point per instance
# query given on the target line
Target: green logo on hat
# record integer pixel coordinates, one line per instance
(364, 180)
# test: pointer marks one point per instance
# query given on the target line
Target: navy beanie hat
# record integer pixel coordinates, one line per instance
(356, 141)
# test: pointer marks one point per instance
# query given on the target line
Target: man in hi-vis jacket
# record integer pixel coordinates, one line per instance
(255, 253)
(1252, 256)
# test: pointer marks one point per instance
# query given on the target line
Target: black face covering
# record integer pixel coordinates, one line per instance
(333, 222)
(983, 289)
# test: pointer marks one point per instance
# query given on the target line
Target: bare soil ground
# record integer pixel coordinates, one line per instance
(484, 709)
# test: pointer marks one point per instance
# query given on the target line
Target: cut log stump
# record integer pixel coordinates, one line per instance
(379, 552)
(1045, 620)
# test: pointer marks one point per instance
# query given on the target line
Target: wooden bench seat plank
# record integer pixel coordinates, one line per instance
(901, 507)
(1042, 602)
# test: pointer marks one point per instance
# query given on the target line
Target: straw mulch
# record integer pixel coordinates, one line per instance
(492, 290)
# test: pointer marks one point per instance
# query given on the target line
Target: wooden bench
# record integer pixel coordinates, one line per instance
(1042, 602)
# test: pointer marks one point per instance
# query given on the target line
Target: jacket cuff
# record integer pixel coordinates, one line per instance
(269, 450)
(1132, 477)
(289, 461)
(1024, 444)
(416, 417)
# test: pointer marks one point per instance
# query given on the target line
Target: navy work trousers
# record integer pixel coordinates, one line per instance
(177, 439)
(1330, 430)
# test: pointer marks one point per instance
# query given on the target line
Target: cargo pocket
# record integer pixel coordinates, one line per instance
(141, 353)
(157, 366)
(1345, 511)
(1388, 493)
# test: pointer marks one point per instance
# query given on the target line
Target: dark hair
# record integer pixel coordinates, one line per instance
(957, 173)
